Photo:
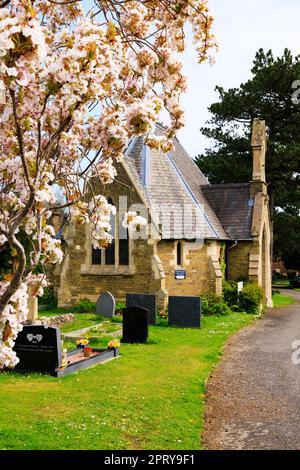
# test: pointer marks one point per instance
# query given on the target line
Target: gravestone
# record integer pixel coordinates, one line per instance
(135, 325)
(146, 301)
(38, 349)
(106, 305)
(185, 312)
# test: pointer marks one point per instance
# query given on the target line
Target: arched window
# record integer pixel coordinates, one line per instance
(110, 255)
(124, 250)
(179, 254)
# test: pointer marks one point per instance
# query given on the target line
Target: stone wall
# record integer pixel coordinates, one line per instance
(152, 262)
(238, 257)
(78, 279)
(76, 283)
(153, 271)
(201, 262)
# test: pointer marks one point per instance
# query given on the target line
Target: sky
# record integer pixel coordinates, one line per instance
(241, 28)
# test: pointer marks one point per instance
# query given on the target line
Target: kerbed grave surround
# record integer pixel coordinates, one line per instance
(39, 350)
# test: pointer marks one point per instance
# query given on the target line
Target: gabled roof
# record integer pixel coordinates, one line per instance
(233, 206)
(174, 180)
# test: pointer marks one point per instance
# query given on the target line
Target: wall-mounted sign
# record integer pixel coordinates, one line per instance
(180, 274)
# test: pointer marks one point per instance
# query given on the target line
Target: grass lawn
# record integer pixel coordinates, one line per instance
(82, 320)
(281, 283)
(152, 397)
(281, 300)
(50, 312)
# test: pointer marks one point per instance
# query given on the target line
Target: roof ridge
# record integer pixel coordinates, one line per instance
(225, 185)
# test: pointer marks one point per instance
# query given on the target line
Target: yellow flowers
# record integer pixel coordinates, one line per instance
(82, 342)
(114, 344)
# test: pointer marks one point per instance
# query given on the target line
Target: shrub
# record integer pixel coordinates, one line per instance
(295, 283)
(214, 305)
(117, 319)
(230, 293)
(220, 309)
(251, 298)
(279, 277)
(162, 321)
(85, 306)
(291, 274)
(162, 317)
(207, 301)
(119, 308)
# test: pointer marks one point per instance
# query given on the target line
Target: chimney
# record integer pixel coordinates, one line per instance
(259, 146)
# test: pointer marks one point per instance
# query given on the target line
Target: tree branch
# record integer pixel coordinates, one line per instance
(17, 278)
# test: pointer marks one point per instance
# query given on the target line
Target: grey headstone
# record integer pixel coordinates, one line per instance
(146, 301)
(106, 305)
(185, 312)
(135, 325)
(38, 349)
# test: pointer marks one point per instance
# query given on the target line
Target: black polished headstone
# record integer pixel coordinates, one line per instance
(38, 349)
(146, 301)
(185, 312)
(135, 325)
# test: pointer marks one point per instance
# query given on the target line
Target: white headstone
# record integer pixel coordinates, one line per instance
(106, 305)
(240, 287)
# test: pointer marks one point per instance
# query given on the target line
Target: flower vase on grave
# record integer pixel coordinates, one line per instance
(114, 345)
(116, 352)
(87, 352)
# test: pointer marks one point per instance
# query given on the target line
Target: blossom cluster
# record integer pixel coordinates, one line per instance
(134, 222)
(106, 171)
(11, 319)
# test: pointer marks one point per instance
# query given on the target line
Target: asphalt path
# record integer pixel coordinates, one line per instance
(253, 397)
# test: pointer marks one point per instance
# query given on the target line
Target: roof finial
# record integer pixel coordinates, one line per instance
(259, 146)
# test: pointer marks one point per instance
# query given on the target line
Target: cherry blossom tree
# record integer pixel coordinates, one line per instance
(75, 87)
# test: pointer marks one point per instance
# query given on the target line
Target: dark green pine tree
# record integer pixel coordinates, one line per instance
(287, 239)
(268, 95)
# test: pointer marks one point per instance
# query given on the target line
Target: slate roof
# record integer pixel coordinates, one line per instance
(233, 206)
(172, 186)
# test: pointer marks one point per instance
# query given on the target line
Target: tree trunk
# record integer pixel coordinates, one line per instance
(17, 277)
